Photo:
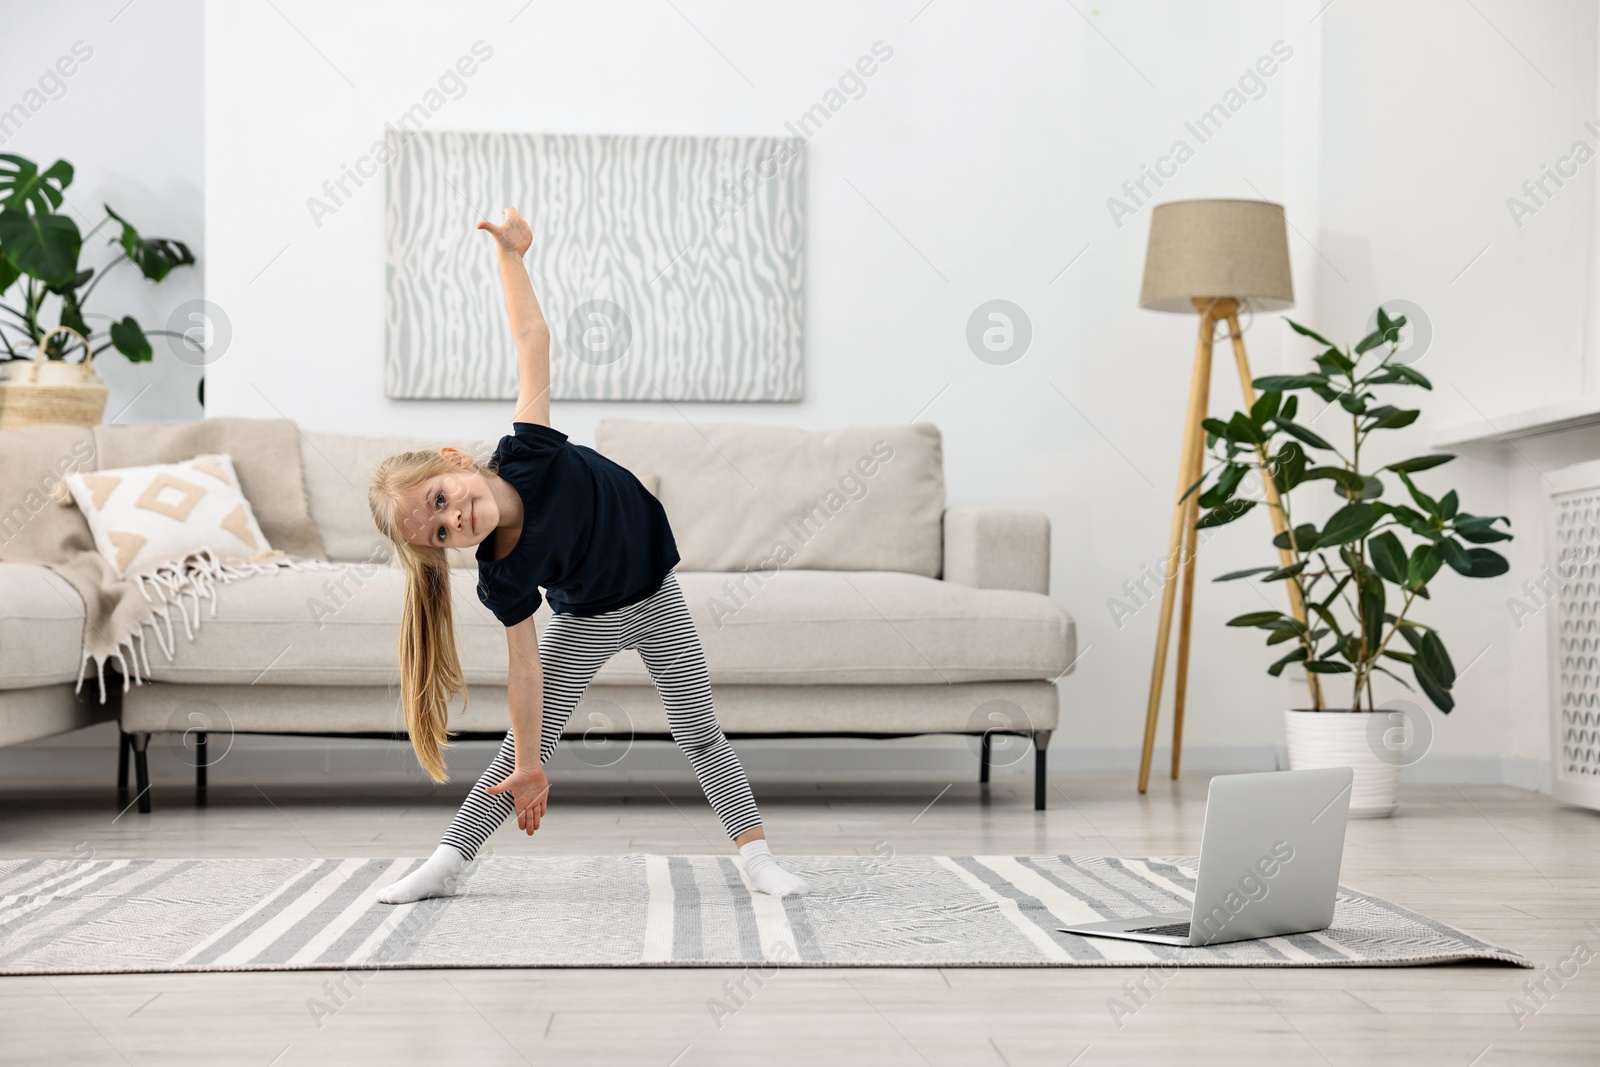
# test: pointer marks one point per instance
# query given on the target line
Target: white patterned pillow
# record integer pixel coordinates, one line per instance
(142, 517)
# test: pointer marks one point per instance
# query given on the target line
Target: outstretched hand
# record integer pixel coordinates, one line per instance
(514, 234)
(530, 791)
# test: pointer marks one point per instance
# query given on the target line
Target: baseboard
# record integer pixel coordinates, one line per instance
(1526, 773)
(1212, 759)
(1520, 771)
(91, 753)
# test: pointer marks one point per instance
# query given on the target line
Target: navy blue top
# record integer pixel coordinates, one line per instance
(592, 534)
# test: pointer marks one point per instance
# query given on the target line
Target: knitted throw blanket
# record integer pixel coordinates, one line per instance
(40, 524)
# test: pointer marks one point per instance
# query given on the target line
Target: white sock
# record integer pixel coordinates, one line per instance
(436, 877)
(765, 874)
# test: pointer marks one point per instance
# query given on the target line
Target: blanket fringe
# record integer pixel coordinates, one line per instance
(182, 584)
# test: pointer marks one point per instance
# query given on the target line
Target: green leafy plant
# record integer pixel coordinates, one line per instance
(39, 252)
(1356, 576)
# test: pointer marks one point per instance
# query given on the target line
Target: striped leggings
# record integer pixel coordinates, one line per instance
(572, 649)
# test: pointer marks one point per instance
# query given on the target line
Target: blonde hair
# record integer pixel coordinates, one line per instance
(430, 668)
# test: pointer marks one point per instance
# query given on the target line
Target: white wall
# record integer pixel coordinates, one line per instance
(129, 120)
(978, 165)
(1112, 470)
(1457, 109)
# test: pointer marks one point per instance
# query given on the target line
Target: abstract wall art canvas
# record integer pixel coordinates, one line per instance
(668, 268)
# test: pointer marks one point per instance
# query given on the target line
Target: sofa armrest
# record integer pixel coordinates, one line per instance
(994, 549)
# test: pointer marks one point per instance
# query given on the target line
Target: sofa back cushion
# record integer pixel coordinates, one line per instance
(750, 497)
(337, 470)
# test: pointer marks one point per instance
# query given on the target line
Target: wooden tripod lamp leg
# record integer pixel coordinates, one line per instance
(1190, 455)
(1297, 606)
(1180, 685)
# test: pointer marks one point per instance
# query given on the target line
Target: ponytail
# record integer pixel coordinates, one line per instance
(430, 668)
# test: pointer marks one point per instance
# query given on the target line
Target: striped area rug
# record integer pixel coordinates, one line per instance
(637, 909)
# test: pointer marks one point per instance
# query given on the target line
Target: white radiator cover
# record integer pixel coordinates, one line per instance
(1572, 554)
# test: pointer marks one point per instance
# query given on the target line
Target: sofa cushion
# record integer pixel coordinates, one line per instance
(745, 497)
(874, 627)
(266, 457)
(41, 627)
(322, 627)
(337, 469)
(340, 627)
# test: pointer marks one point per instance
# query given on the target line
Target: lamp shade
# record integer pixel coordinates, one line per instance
(1217, 248)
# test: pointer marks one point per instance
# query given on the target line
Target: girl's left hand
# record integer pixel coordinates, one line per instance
(514, 234)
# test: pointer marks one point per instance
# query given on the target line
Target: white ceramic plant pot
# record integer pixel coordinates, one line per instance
(1342, 739)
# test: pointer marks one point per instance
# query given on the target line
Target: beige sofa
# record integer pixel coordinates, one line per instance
(834, 592)
(41, 640)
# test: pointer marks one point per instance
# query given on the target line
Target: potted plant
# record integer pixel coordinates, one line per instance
(1356, 576)
(39, 254)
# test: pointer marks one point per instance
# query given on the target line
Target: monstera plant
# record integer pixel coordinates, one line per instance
(1363, 572)
(40, 250)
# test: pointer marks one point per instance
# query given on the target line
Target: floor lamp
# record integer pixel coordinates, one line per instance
(1208, 257)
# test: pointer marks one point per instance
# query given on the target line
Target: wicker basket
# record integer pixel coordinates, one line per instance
(26, 401)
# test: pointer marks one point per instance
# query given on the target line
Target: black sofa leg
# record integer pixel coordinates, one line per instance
(123, 748)
(141, 771)
(201, 760)
(983, 761)
(109, 692)
(1041, 745)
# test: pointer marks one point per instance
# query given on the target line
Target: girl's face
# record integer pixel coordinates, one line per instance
(454, 510)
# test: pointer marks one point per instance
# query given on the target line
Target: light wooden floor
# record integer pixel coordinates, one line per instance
(1507, 865)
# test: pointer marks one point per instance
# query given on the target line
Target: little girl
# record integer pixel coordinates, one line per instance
(545, 512)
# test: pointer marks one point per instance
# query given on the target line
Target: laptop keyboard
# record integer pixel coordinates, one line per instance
(1169, 930)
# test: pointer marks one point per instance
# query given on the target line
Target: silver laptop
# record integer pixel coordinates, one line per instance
(1269, 862)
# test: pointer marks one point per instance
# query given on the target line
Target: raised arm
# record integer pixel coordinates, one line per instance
(513, 238)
